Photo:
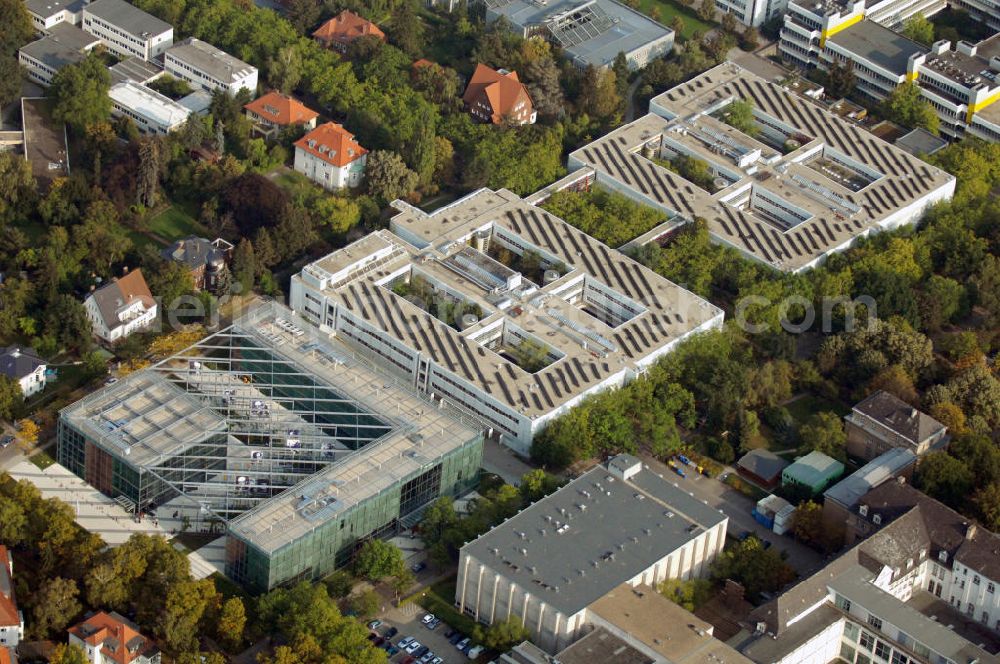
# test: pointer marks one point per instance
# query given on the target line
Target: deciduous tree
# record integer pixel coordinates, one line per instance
(79, 93)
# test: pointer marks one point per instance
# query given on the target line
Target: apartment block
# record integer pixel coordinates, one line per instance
(126, 30)
(63, 44)
(47, 13)
(499, 308)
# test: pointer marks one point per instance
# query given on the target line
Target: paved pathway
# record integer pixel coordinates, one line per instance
(503, 462)
(102, 515)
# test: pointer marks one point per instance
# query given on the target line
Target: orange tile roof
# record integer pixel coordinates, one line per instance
(9, 616)
(281, 109)
(332, 143)
(5, 655)
(119, 640)
(421, 63)
(501, 91)
(345, 27)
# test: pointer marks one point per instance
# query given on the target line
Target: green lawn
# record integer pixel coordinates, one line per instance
(42, 460)
(806, 406)
(671, 8)
(175, 223)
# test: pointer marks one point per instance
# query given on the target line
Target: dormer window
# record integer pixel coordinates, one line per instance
(943, 556)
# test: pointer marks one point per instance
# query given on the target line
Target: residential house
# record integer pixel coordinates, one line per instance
(11, 618)
(883, 420)
(126, 30)
(121, 308)
(109, 638)
(344, 28)
(209, 68)
(204, 259)
(498, 96)
(274, 111)
(25, 366)
(329, 156)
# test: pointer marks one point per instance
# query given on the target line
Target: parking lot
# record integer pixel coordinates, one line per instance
(407, 621)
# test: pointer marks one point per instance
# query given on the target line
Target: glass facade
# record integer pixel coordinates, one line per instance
(332, 544)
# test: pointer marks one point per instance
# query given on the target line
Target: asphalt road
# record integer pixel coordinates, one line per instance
(738, 507)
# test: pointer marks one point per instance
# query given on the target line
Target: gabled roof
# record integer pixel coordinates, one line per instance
(281, 109)
(347, 26)
(17, 362)
(762, 463)
(194, 252)
(8, 603)
(120, 293)
(503, 90)
(333, 144)
(118, 638)
(899, 416)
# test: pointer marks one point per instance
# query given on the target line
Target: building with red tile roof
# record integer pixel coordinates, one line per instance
(11, 619)
(272, 111)
(498, 96)
(329, 156)
(121, 307)
(109, 638)
(345, 27)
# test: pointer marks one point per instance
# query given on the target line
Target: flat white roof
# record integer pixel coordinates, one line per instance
(148, 103)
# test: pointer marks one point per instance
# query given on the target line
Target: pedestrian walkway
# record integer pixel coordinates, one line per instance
(105, 517)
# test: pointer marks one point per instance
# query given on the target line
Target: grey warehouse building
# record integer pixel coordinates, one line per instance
(616, 524)
(593, 32)
(277, 435)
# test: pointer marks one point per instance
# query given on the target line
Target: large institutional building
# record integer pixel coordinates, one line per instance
(959, 80)
(921, 587)
(221, 433)
(805, 184)
(556, 561)
(500, 308)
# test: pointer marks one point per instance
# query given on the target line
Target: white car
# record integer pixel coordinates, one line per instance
(405, 641)
(412, 647)
(475, 652)
(427, 618)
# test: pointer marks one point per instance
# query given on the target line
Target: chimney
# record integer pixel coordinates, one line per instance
(125, 270)
(970, 531)
(901, 480)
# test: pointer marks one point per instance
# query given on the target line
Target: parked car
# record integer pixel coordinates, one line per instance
(6, 441)
(437, 660)
(475, 652)
(427, 618)
(391, 650)
(420, 652)
(464, 643)
(744, 535)
(428, 656)
(455, 638)
(391, 633)
(418, 567)
(375, 624)
(405, 641)
(450, 633)
(372, 636)
(433, 625)
(407, 659)
(412, 647)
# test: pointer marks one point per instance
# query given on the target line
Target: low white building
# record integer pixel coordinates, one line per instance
(26, 367)
(63, 44)
(11, 618)
(152, 112)
(121, 308)
(209, 68)
(616, 524)
(126, 30)
(47, 13)
(329, 156)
